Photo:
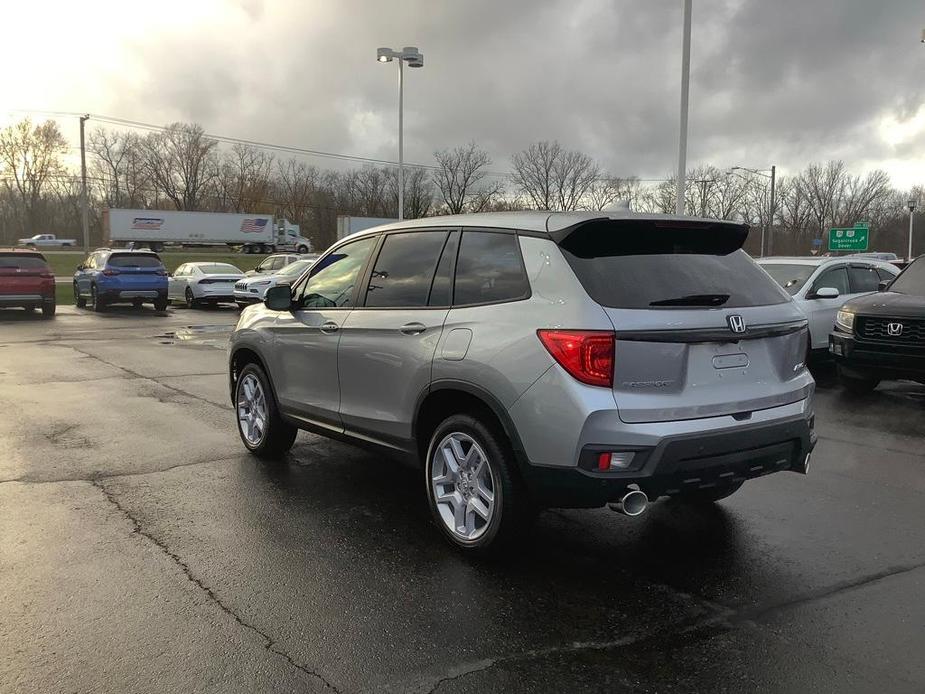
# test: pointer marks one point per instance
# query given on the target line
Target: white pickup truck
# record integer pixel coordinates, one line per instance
(47, 241)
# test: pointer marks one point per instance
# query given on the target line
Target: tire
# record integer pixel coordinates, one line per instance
(160, 303)
(48, 310)
(190, 299)
(79, 301)
(491, 470)
(302, 249)
(857, 385)
(275, 438)
(98, 304)
(707, 496)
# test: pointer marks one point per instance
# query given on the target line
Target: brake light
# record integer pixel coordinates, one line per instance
(586, 354)
(47, 276)
(109, 272)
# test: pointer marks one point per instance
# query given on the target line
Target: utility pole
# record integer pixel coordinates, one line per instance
(85, 212)
(771, 216)
(685, 88)
(912, 205)
(401, 140)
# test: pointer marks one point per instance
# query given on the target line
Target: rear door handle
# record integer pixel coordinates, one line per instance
(412, 328)
(330, 327)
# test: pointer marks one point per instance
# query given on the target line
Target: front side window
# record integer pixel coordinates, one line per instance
(863, 279)
(837, 278)
(404, 270)
(489, 269)
(333, 279)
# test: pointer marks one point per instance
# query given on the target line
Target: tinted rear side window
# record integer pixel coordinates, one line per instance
(22, 261)
(651, 265)
(133, 260)
(404, 270)
(441, 292)
(489, 269)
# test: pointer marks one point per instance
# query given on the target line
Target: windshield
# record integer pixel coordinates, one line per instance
(912, 280)
(790, 277)
(295, 269)
(219, 269)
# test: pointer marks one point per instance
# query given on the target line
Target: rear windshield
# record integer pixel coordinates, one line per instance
(912, 280)
(219, 269)
(19, 261)
(134, 260)
(790, 277)
(648, 265)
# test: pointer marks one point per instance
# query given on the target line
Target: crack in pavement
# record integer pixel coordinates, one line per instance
(269, 643)
(721, 621)
(152, 379)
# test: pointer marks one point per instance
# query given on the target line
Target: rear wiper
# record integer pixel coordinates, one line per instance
(693, 300)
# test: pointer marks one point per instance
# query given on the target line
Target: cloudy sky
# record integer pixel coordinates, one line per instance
(784, 82)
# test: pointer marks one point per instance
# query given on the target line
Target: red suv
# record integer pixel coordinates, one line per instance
(26, 281)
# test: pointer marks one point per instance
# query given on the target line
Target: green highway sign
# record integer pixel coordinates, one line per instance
(851, 239)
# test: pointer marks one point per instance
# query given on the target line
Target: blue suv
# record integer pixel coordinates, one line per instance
(110, 276)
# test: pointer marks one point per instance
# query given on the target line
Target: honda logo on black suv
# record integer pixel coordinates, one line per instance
(736, 323)
(894, 329)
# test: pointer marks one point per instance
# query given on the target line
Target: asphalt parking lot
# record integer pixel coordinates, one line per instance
(141, 550)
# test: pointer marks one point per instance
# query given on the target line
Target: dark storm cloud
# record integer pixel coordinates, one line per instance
(788, 81)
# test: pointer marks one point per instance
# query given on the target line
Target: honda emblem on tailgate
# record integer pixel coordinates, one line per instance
(894, 329)
(736, 323)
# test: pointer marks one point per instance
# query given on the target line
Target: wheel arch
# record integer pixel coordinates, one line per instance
(241, 357)
(447, 397)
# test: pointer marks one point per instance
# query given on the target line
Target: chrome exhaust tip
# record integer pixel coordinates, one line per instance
(633, 503)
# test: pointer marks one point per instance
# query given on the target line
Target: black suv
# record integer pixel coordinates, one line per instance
(882, 336)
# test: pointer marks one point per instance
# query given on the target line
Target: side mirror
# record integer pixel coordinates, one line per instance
(279, 298)
(826, 293)
(883, 285)
(81, 267)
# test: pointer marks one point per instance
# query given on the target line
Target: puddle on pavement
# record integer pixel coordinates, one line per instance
(192, 335)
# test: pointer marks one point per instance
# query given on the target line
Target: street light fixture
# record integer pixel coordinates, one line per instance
(912, 205)
(769, 226)
(414, 58)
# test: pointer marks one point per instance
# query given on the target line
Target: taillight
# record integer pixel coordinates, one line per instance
(47, 276)
(109, 272)
(586, 354)
(161, 273)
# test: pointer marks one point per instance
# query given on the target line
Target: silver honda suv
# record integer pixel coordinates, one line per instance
(532, 359)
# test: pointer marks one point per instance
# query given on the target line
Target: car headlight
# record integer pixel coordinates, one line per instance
(845, 320)
(259, 284)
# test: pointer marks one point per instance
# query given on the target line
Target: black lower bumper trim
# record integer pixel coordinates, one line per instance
(688, 462)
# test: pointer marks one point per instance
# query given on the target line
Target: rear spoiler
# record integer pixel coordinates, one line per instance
(646, 236)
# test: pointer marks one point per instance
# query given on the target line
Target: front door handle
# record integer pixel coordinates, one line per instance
(412, 328)
(330, 328)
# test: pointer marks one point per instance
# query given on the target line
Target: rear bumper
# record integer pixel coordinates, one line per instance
(678, 463)
(879, 360)
(25, 299)
(116, 295)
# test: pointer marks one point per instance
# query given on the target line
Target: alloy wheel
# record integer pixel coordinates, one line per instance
(463, 485)
(252, 409)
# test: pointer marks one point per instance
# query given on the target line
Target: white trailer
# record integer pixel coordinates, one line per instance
(255, 233)
(347, 225)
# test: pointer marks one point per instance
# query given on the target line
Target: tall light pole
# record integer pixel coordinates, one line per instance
(85, 212)
(414, 58)
(685, 89)
(911, 204)
(769, 225)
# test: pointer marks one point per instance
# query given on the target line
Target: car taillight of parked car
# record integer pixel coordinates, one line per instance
(109, 272)
(587, 355)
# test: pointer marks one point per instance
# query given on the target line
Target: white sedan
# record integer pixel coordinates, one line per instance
(252, 290)
(205, 282)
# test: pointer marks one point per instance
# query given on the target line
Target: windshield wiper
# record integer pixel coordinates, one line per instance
(693, 300)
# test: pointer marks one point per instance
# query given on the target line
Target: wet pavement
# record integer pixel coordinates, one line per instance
(141, 550)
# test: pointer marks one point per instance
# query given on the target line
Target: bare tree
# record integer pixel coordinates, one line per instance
(418, 193)
(118, 168)
(243, 180)
(30, 157)
(460, 178)
(553, 177)
(181, 163)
